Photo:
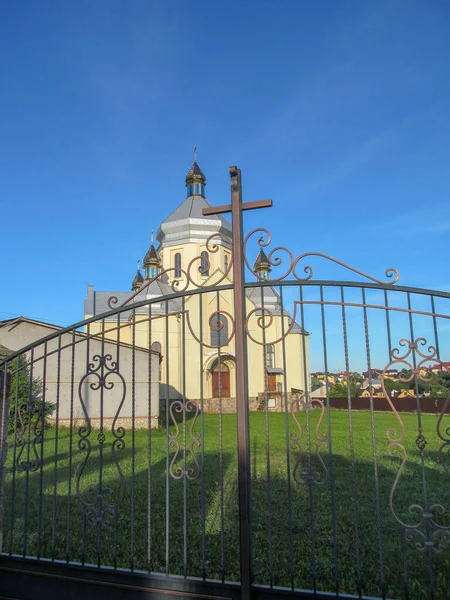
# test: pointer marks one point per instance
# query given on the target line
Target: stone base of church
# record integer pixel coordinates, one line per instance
(125, 422)
(275, 403)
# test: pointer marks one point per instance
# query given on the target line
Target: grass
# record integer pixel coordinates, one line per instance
(329, 535)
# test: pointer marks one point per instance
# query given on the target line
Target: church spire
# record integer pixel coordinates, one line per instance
(195, 179)
(262, 265)
(138, 279)
(152, 262)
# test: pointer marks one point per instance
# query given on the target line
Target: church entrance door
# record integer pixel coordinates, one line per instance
(221, 382)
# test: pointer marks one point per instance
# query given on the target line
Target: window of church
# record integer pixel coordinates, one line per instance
(190, 189)
(204, 264)
(202, 188)
(270, 356)
(177, 264)
(153, 272)
(196, 188)
(146, 273)
(219, 330)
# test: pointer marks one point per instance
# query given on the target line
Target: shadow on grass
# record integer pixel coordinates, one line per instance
(325, 526)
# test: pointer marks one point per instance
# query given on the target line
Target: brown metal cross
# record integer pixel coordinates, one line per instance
(236, 207)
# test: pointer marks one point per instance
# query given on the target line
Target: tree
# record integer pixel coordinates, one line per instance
(26, 394)
(340, 390)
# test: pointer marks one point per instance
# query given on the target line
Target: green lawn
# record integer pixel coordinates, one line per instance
(300, 533)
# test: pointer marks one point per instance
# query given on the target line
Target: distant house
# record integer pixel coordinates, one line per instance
(370, 390)
(391, 374)
(441, 368)
(319, 391)
(374, 373)
(375, 383)
(321, 376)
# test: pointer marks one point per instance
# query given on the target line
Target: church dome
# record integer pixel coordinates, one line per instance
(151, 258)
(195, 181)
(137, 281)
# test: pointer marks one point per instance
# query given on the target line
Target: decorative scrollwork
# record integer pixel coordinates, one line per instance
(276, 261)
(308, 476)
(426, 533)
(27, 413)
(178, 471)
(99, 503)
(215, 324)
(264, 321)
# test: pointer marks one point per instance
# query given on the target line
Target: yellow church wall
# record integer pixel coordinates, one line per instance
(192, 251)
(186, 368)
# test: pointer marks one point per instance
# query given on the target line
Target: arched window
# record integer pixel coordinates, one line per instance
(196, 188)
(204, 264)
(146, 273)
(270, 356)
(177, 264)
(156, 347)
(153, 272)
(202, 188)
(190, 189)
(219, 334)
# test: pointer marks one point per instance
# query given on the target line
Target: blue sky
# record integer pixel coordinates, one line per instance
(339, 111)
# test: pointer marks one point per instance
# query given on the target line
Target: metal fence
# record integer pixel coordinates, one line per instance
(144, 460)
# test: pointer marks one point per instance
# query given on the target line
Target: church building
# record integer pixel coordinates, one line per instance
(171, 311)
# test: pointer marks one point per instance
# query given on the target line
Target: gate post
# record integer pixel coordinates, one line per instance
(241, 384)
(236, 207)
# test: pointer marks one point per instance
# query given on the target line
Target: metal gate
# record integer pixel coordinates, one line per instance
(270, 435)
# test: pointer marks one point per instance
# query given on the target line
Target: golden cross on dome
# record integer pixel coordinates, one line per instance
(195, 153)
(139, 264)
(152, 236)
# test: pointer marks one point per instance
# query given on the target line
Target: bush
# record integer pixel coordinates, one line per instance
(26, 393)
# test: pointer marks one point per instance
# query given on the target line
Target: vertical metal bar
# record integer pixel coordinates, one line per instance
(13, 482)
(352, 451)
(202, 435)
(167, 439)
(436, 337)
(84, 522)
(421, 451)
(116, 518)
(266, 397)
(374, 449)
(100, 483)
(288, 454)
(183, 387)
(388, 324)
(27, 477)
(330, 447)
(221, 470)
(403, 540)
(69, 491)
(4, 426)
(133, 435)
(308, 440)
(149, 442)
(241, 386)
(41, 417)
(55, 466)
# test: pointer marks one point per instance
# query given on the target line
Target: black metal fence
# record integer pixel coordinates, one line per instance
(183, 449)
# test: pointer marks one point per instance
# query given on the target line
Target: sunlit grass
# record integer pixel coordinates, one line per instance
(335, 532)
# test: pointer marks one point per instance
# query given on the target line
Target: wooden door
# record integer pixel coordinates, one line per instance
(271, 383)
(221, 385)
